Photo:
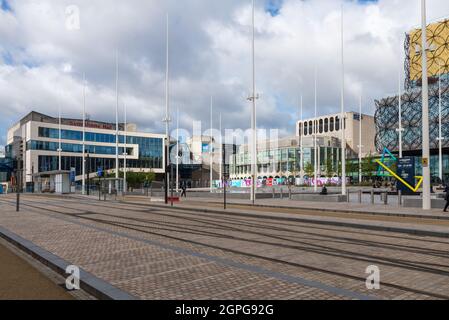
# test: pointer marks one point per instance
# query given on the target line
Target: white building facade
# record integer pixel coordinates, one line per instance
(330, 126)
(34, 143)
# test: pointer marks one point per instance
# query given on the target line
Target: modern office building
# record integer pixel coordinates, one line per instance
(195, 155)
(387, 113)
(281, 159)
(330, 126)
(34, 143)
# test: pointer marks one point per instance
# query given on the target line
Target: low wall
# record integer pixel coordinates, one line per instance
(320, 198)
(417, 203)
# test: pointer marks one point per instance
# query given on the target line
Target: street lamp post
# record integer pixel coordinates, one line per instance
(425, 113)
(253, 99)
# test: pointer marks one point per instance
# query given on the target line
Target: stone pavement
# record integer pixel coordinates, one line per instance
(155, 253)
(152, 271)
(364, 208)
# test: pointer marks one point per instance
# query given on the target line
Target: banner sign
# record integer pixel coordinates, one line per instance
(406, 170)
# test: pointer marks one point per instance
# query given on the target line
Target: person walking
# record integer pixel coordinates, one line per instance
(446, 197)
(184, 191)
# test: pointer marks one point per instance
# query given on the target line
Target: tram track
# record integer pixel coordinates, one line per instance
(132, 226)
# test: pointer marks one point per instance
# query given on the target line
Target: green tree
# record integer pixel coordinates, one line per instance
(329, 168)
(369, 166)
(309, 169)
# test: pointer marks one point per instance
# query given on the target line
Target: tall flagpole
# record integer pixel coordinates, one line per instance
(400, 130)
(167, 114)
(125, 153)
(221, 152)
(83, 188)
(425, 113)
(342, 117)
(301, 165)
(440, 124)
(211, 145)
(360, 140)
(60, 145)
(253, 114)
(177, 149)
(116, 122)
(315, 131)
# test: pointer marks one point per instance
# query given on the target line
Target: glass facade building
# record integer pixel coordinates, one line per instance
(34, 143)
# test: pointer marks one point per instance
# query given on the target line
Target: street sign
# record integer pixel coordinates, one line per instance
(425, 162)
(72, 175)
(406, 170)
(100, 172)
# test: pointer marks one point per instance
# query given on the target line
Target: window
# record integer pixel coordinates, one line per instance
(337, 124)
(321, 125)
(306, 131)
(326, 125)
(331, 129)
(310, 127)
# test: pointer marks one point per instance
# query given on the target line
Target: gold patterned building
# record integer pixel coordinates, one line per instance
(437, 54)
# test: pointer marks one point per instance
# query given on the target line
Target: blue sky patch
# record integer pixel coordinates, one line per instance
(273, 7)
(5, 5)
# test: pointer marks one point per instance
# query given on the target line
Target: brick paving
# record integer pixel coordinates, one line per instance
(159, 254)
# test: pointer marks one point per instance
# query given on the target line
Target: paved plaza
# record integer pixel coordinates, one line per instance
(144, 250)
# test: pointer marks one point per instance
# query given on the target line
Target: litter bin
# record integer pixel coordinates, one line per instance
(1, 189)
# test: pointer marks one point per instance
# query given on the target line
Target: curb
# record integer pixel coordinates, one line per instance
(368, 213)
(88, 282)
(410, 231)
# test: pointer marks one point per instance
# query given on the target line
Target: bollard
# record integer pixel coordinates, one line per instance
(18, 202)
(386, 198)
(274, 193)
(282, 194)
(372, 196)
(290, 193)
(400, 198)
(360, 196)
(348, 197)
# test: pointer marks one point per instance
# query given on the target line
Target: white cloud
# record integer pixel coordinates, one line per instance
(210, 53)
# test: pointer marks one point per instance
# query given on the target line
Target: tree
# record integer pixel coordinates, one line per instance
(369, 166)
(309, 170)
(329, 168)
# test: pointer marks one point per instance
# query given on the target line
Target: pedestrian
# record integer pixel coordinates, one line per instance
(446, 197)
(184, 191)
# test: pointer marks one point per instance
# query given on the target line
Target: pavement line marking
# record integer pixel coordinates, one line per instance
(227, 262)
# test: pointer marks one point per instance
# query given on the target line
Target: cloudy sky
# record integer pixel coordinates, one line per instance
(42, 61)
